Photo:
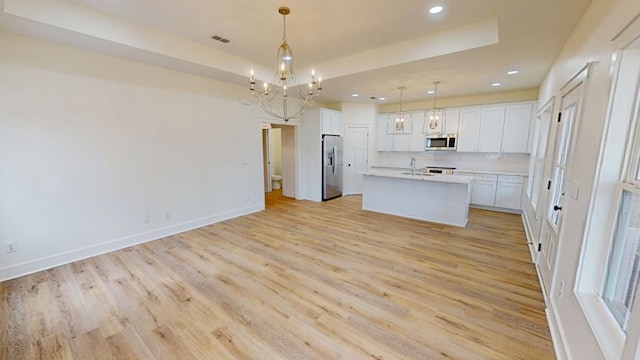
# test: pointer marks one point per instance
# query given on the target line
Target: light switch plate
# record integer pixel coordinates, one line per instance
(572, 190)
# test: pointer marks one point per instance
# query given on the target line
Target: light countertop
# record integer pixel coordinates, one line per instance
(458, 179)
(497, 172)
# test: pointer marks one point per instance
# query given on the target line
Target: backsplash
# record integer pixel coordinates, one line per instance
(517, 163)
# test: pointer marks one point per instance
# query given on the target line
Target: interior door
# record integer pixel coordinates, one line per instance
(562, 155)
(357, 143)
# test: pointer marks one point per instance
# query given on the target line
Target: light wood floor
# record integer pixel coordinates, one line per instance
(300, 280)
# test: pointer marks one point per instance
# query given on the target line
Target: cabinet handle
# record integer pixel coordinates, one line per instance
(557, 208)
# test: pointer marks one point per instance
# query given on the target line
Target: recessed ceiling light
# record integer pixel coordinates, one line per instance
(431, 92)
(382, 98)
(354, 94)
(496, 84)
(512, 72)
(435, 10)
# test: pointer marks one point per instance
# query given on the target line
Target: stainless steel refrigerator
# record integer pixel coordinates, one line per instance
(331, 166)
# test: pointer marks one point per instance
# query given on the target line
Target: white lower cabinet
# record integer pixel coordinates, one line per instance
(484, 189)
(509, 191)
(496, 191)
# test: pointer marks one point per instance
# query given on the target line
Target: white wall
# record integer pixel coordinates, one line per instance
(356, 113)
(591, 41)
(89, 144)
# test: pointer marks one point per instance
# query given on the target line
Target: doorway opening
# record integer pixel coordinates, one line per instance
(278, 144)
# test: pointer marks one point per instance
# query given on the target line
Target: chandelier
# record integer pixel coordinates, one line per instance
(285, 83)
(434, 117)
(399, 123)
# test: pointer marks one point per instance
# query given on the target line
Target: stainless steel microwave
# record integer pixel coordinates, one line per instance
(441, 142)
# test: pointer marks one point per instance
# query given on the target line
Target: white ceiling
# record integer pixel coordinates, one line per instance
(366, 46)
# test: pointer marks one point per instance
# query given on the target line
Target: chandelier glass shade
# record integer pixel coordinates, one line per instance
(400, 122)
(284, 83)
(434, 117)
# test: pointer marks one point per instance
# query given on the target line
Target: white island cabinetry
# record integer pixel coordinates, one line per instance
(437, 198)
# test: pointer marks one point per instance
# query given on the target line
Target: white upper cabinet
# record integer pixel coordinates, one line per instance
(431, 127)
(497, 128)
(417, 141)
(491, 124)
(390, 139)
(385, 140)
(331, 122)
(451, 121)
(410, 138)
(500, 128)
(515, 135)
(468, 130)
(448, 125)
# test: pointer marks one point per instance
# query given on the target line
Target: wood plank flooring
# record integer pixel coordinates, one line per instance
(300, 280)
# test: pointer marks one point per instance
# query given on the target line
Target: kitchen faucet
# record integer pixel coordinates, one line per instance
(413, 165)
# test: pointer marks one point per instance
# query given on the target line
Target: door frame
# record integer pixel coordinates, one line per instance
(297, 170)
(266, 163)
(547, 276)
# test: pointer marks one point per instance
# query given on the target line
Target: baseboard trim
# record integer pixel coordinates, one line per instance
(529, 234)
(498, 209)
(557, 336)
(30, 267)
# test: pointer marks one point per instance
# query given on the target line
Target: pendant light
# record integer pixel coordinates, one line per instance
(434, 117)
(399, 123)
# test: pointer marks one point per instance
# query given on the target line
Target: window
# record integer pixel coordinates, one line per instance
(533, 157)
(609, 270)
(538, 153)
(623, 269)
(624, 264)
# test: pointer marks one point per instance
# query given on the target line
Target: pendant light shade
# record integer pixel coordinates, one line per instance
(400, 122)
(434, 117)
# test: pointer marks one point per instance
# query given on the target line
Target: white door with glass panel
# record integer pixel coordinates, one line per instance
(552, 226)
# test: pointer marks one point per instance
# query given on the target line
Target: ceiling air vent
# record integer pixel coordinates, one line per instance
(220, 38)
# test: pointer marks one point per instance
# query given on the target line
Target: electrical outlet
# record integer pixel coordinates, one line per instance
(10, 247)
(145, 219)
(167, 215)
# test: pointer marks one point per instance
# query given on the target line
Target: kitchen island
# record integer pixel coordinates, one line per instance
(437, 198)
